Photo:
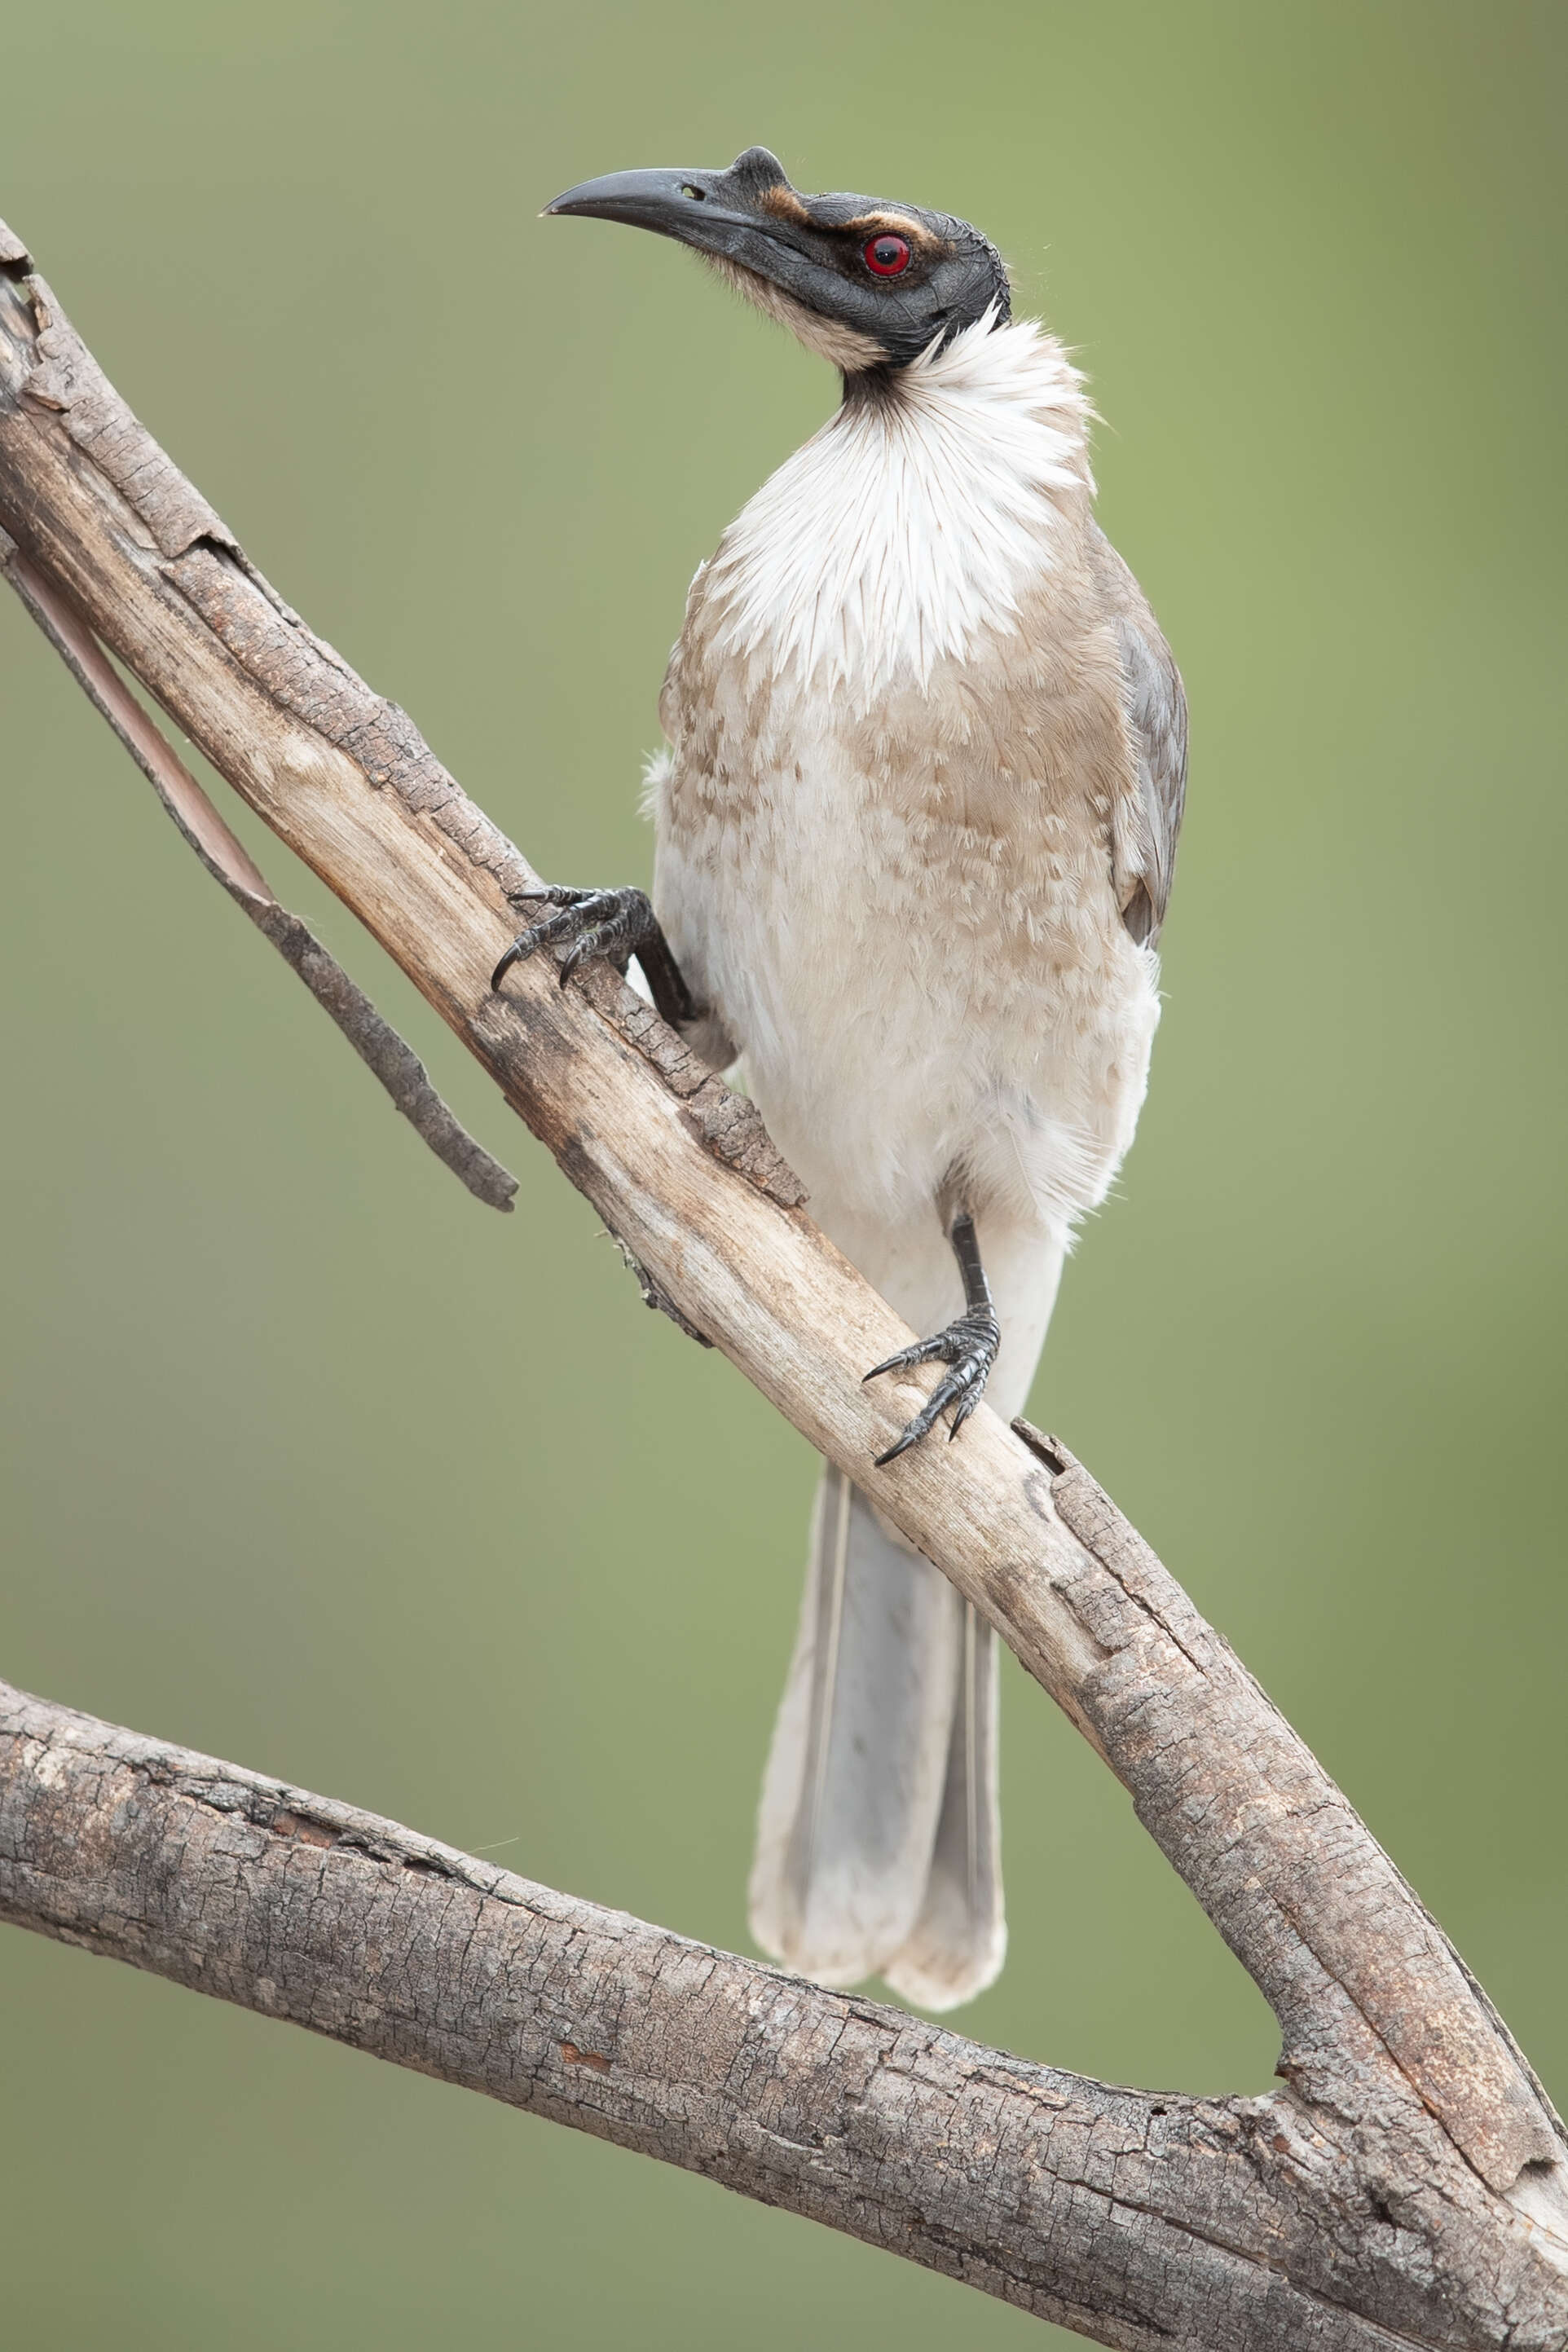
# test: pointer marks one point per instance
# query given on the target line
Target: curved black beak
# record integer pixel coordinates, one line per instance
(656, 200)
(769, 241)
(717, 212)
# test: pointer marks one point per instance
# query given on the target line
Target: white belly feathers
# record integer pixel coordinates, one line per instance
(884, 823)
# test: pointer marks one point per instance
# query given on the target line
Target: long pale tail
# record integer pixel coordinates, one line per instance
(878, 1836)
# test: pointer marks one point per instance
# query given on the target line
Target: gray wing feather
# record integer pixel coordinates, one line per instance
(1157, 717)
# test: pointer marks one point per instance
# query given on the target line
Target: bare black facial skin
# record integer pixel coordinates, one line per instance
(901, 277)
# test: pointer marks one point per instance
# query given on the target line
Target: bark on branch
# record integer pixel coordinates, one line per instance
(1143, 2220)
(1414, 2187)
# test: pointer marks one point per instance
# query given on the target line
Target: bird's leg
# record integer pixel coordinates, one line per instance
(615, 924)
(969, 1345)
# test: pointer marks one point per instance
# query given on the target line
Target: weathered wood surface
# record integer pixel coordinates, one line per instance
(1395, 2061)
(1142, 2221)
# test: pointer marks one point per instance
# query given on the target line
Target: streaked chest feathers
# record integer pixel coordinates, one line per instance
(886, 819)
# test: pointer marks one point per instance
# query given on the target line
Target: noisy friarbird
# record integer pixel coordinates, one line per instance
(915, 828)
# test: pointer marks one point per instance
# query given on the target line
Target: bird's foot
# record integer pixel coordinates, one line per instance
(970, 1346)
(616, 924)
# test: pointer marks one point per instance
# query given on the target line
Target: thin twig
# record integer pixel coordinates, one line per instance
(228, 860)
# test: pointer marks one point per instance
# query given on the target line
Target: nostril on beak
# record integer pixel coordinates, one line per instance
(697, 194)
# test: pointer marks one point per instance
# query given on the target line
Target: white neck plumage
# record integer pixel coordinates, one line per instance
(914, 522)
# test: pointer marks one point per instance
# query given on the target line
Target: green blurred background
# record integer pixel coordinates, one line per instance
(312, 1461)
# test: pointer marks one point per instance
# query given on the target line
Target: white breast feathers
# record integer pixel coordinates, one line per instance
(912, 522)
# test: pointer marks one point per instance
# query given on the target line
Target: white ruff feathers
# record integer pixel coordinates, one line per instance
(912, 522)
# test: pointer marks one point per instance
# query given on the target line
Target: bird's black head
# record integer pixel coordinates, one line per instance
(868, 283)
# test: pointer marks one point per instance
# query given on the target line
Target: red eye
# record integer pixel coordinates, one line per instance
(887, 255)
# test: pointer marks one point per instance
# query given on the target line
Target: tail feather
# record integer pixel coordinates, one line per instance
(959, 1942)
(878, 1839)
(883, 1760)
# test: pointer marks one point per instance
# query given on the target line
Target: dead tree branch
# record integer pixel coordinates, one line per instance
(226, 859)
(1420, 2195)
(1142, 2220)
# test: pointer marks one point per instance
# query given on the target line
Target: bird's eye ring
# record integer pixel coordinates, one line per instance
(887, 255)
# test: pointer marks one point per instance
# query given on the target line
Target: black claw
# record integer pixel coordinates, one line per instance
(556, 894)
(918, 1428)
(970, 1346)
(613, 924)
(591, 923)
(599, 942)
(962, 1411)
(910, 1436)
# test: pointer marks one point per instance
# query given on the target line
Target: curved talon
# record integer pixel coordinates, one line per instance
(912, 1436)
(615, 924)
(573, 908)
(924, 1351)
(970, 1346)
(966, 1405)
(559, 894)
(523, 946)
(600, 941)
